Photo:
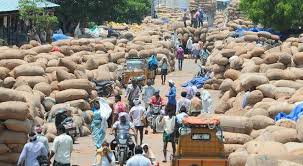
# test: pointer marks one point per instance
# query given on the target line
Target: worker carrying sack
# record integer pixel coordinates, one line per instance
(152, 63)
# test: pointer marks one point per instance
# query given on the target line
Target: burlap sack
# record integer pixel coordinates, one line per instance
(254, 97)
(236, 138)
(13, 110)
(287, 123)
(10, 137)
(265, 148)
(42, 49)
(64, 75)
(11, 63)
(237, 158)
(12, 54)
(250, 80)
(261, 121)
(299, 128)
(283, 92)
(256, 111)
(43, 87)
(287, 83)
(228, 53)
(68, 64)
(297, 96)
(16, 148)
(70, 94)
(10, 95)
(230, 148)
(298, 58)
(11, 158)
(19, 126)
(81, 104)
(31, 80)
(276, 108)
(76, 84)
(267, 90)
(232, 74)
(236, 124)
(226, 85)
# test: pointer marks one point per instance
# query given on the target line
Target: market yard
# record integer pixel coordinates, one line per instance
(255, 83)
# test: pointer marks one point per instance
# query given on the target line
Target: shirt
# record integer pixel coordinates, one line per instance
(180, 53)
(136, 113)
(63, 147)
(122, 128)
(119, 107)
(183, 102)
(104, 160)
(206, 101)
(189, 44)
(164, 66)
(156, 101)
(30, 153)
(180, 117)
(41, 138)
(138, 160)
(132, 93)
(172, 96)
(148, 93)
(168, 124)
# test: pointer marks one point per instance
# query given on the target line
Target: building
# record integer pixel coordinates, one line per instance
(12, 29)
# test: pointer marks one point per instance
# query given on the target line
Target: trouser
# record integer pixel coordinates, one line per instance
(60, 164)
(184, 24)
(180, 64)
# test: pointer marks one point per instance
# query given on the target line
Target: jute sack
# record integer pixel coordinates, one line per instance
(256, 111)
(226, 85)
(12, 54)
(232, 74)
(285, 135)
(43, 87)
(4, 72)
(236, 124)
(11, 63)
(294, 148)
(285, 58)
(265, 148)
(278, 74)
(230, 148)
(64, 75)
(287, 123)
(42, 49)
(283, 92)
(10, 95)
(297, 96)
(81, 104)
(28, 70)
(13, 110)
(237, 158)
(236, 138)
(16, 148)
(271, 58)
(287, 83)
(31, 80)
(72, 66)
(261, 122)
(25, 88)
(267, 90)
(299, 128)
(276, 108)
(76, 84)
(3, 149)
(10, 157)
(52, 69)
(19, 126)
(298, 58)
(10, 137)
(250, 80)
(265, 67)
(254, 97)
(228, 53)
(70, 94)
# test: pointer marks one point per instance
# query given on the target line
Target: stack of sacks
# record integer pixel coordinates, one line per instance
(215, 35)
(15, 125)
(219, 19)
(197, 34)
(234, 12)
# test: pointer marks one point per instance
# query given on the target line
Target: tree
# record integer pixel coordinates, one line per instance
(280, 15)
(39, 18)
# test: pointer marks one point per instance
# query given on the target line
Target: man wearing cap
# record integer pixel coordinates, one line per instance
(137, 115)
(41, 138)
(172, 102)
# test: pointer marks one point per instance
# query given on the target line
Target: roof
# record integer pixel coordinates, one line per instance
(12, 5)
(200, 121)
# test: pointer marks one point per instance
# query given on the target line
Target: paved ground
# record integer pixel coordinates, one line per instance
(83, 154)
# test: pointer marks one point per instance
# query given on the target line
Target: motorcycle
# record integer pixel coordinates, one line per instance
(104, 88)
(122, 150)
(155, 111)
(61, 118)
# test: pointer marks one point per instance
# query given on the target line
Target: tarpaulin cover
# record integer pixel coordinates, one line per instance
(57, 37)
(294, 115)
(196, 81)
(240, 31)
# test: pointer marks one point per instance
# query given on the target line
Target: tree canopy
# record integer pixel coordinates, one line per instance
(71, 12)
(280, 15)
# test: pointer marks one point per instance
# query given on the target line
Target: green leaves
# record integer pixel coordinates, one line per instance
(278, 14)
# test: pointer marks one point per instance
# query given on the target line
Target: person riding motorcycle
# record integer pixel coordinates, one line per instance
(122, 126)
(156, 105)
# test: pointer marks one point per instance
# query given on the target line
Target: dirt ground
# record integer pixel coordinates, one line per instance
(84, 150)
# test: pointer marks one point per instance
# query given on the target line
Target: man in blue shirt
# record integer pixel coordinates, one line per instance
(172, 102)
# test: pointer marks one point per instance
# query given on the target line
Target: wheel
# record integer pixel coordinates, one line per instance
(121, 158)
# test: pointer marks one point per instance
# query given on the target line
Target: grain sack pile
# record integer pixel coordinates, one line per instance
(16, 121)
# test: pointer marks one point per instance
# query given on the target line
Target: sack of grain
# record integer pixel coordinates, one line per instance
(271, 58)
(81, 104)
(43, 48)
(267, 90)
(12, 54)
(70, 94)
(283, 92)
(278, 107)
(232, 74)
(256, 111)
(261, 121)
(43, 87)
(85, 131)
(11, 63)
(222, 107)
(11, 158)
(76, 84)
(299, 128)
(31, 80)
(287, 123)
(285, 58)
(251, 38)
(298, 58)
(64, 75)
(237, 158)
(10, 137)
(236, 124)
(287, 83)
(236, 62)
(257, 60)
(254, 97)
(68, 64)
(226, 85)
(293, 148)
(13, 110)
(28, 70)
(230, 148)
(3, 149)
(297, 96)
(220, 60)
(228, 53)
(4, 72)
(278, 74)
(250, 80)
(265, 148)
(19, 126)
(265, 67)
(285, 135)
(236, 138)
(10, 95)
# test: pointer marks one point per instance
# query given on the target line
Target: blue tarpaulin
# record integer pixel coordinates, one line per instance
(196, 81)
(240, 31)
(59, 36)
(294, 115)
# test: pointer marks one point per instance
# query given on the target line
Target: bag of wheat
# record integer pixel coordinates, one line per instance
(43, 87)
(13, 110)
(236, 138)
(11, 158)
(76, 84)
(287, 123)
(299, 128)
(81, 104)
(265, 148)
(64, 75)
(236, 124)
(70, 94)
(19, 126)
(230, 148)
(237, 158)
(10, 95)
(278, 107)
(11, 137)
(31, 80)
(261, 121)
(251, 80)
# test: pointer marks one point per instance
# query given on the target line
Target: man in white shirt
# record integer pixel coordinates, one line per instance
(62, 148)
(138, 159)
(169, 124)
(41, 138)
(137, 113)
(183, 102)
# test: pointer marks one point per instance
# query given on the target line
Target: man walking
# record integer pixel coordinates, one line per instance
(172, 102)
(137, 115)
(132, 92)
(138, 159)
(62, 148)
(180, 57)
